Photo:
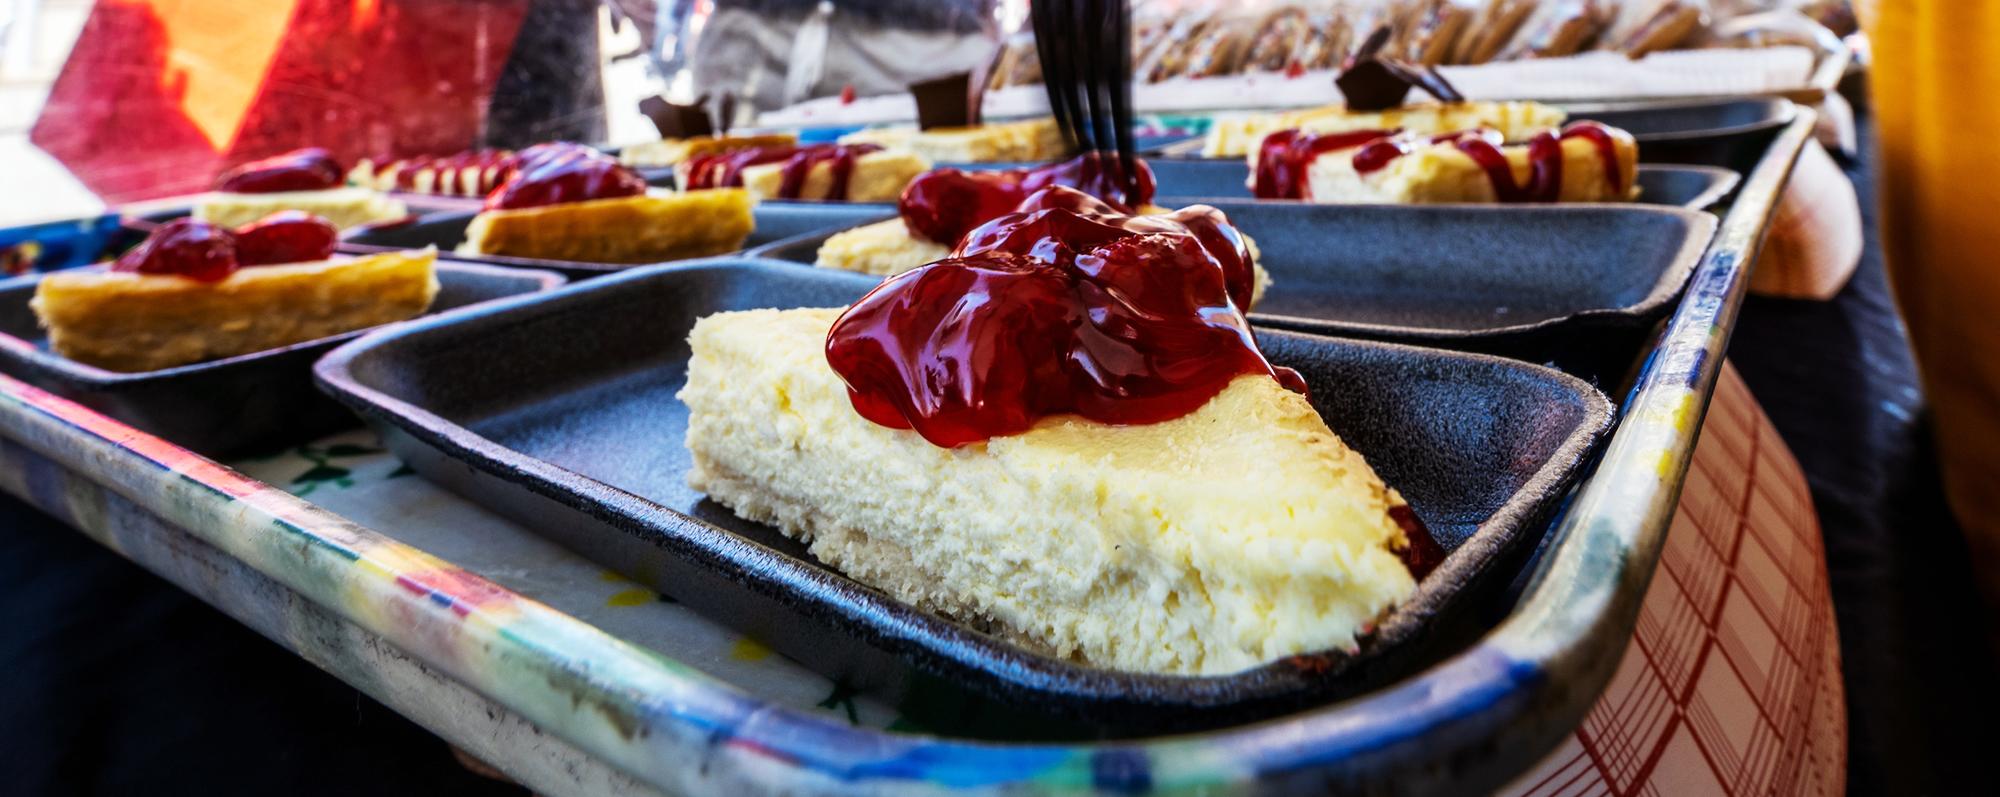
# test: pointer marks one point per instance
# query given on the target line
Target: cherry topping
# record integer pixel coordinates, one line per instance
(289, 236)
(310, 169)
(942, 205)
(188, 247)
(550, 174)
(725, 169)
(1066, 307)
(1283, 157)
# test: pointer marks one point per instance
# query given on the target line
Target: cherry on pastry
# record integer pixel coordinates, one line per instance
(188, 247)
(288, 236)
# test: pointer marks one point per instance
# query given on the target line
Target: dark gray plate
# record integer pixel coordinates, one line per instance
(1495, 276)
(1185, 182)
(246, 404)
(774, 222)
(560, 410)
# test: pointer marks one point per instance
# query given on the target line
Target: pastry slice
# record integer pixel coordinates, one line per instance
(674, 151)
(871, 177)
(307, 180)
(346, 207)
(1587, 162)
(126, 321)
(470, 173)
(1235, 535)
(1237, 136)
(649, 228)
(993, 142)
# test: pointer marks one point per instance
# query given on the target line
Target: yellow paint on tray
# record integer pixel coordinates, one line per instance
(747, 649)
(631, 597)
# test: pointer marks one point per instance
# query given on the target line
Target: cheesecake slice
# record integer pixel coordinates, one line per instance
(887, 248)
(1238, 136)
(1217, 541)
(648, 228)
(1598, 167)
(346, 207)
(874, 177)
(125, 321)
(996, 142)
(675, 151)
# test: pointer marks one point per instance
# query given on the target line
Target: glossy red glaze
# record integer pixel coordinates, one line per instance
(725, 169)
(1283, 157)
(552, 174)
(1068, 306)
(471, 173)
(310, 169)
(1423, 554)
(187, 247)
(290, 236)
(942, 205)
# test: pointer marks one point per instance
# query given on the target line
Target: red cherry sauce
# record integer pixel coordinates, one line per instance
(550, 174)
(450, 172)
(289, 236)
(1423, 554)
(1283, 157)
(1607, 151)
(942, 205)
(188, 247)
(725, 169)
(1068, 306)
(310, 169)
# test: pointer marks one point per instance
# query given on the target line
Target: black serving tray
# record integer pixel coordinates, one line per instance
(1511, 279)
(774, 222)
(1732, 134)
(1186, 182)
(560, 411)
(247, 404)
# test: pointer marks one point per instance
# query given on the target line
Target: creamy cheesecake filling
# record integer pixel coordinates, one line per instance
(1584, 162)
(1229, 537)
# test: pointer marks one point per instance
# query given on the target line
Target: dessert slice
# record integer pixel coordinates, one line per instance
(675, 151)
(569, 202)
(306, 180)
(472, 173)
(1123, 483)
(1586, 162)
(941, 206)
(1238, 136)
(849, 172)
(195, 292)
(993, 142)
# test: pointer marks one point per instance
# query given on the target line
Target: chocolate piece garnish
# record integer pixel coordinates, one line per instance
(948, 101)
(678, 121)
(1375, 82)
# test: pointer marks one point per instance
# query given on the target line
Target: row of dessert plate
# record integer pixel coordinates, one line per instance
(1468, 724)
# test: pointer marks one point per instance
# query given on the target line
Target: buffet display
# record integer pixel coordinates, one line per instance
(1153, 443)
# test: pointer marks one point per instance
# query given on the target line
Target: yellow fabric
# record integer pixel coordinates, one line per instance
(1936, 81)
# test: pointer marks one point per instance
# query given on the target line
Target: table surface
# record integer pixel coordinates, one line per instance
(1846, 403)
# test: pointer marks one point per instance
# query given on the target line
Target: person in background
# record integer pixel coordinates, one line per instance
(1935, 74)
(768, 54)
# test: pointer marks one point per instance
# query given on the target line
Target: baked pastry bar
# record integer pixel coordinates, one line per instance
(125, 321)
(346, 207)
(674, 151)
(1237, 136)
(647, 228)
(993, 142)
(1588, 162)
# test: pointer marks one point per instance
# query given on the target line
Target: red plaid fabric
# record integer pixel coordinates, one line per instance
(1731, 684)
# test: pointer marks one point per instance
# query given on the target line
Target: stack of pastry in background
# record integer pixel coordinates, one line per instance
(1203, 38)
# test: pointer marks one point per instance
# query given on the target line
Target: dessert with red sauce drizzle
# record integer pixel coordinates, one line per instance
(307, 180)
(196, 291)
(838, 172)
(569, 202)
(1064, 433)
(1376, 90)
(942, 205)
(1408, 156)
(470, 173)
(671, 152)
